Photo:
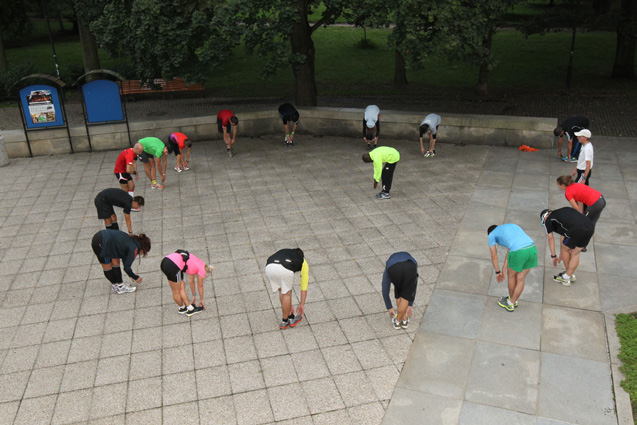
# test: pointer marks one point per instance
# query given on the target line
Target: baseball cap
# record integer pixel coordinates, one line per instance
(370, 123)
(544, 214)
(584, 132)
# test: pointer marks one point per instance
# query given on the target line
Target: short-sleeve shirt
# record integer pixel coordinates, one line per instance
(582, 193)
(565, 221)
(292, 260)
(371, 115)
(126, 157)
(180, 139)
(116, 198)
(286, 111)
(382, 155)
(586, 154)
(153, 146)
(225, 116)
(510, 236)
(574, 124)
(433, 121)
(195, 265)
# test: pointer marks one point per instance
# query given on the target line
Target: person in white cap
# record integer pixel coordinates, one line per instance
(371, 126)
(585, 159)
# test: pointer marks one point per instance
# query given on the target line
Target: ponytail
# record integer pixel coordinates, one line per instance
(144, 243)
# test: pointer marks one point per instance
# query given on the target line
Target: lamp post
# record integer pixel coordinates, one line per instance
(48, 25)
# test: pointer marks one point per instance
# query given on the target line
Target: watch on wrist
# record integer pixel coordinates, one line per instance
(498, 272)
(553, 256)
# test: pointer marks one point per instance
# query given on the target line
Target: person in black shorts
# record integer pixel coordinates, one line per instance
(576, 231)
(568, 129)
(401, 269)
(288, 113)
(109, 198)
(113, 246)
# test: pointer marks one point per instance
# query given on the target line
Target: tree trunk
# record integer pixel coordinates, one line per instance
(482, 87)
(4, 65)
(305, 92)
(624, 66)
(569, 68)
(60, 19)
(400, 72)
(90, 56)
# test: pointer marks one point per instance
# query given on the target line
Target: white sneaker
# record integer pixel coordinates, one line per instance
(427, 154)
(123, 288)
(179, 170)
(185, 168)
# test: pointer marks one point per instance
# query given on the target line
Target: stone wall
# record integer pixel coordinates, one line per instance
(318, 121)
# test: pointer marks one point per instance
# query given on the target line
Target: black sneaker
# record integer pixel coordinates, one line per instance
(182, 310)
(369, 147)
(284, 324)
(194, 311)
(295, 320)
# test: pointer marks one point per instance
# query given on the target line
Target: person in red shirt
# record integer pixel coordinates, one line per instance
(226, 120)
(126, 167)
(584, 199)
(179, 142)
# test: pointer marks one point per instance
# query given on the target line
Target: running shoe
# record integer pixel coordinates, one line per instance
(369, 147)
(427, 154)
(185, 168)
(123, 288)
(561, 279)
(396, 323)
(565, 159)
(179, 170)
(291, 143)
(573, 159)
(405, 323)
(284, 324)
(504, 303)
(194, 311)
(136, 209)
(160, 186)
(153, 186)
(229, 152)
(383, 195)
(182, 310)
(433, 153)
(293, 321)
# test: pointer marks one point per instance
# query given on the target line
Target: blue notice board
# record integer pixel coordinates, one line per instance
(41, 106)
(102, 100)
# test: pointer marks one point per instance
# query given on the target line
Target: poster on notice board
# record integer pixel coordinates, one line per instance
(41, 107)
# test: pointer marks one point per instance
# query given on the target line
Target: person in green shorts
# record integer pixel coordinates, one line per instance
(521, 257)
(154, 147)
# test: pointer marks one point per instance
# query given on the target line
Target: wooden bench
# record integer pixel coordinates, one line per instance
(132, 87)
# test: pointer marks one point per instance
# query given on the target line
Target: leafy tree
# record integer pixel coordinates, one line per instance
(14, 22)
(162, 38)
(279, 31)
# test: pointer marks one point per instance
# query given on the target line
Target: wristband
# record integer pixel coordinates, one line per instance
(292, 132)
(498, 272)
(553, 256)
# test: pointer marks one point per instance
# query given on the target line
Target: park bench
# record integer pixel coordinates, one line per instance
(133, 87)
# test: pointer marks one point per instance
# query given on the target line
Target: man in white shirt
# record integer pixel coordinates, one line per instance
(585, 159)
(371, 126)
(429, 125)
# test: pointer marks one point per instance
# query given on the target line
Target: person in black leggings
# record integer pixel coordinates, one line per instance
(111, 246)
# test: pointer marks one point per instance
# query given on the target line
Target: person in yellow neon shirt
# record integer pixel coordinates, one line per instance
(385, 160)
(279, 270)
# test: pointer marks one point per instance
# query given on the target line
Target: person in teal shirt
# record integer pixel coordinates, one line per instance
(520, 259)
(385, 160)
(154, 147)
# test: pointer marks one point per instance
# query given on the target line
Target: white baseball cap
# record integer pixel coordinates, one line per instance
(370, 123)
(584, 132)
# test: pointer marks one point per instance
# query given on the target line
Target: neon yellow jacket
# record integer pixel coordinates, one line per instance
(381, 155)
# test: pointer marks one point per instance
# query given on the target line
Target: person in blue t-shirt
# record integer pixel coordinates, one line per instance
(402, 270)
(521, 257)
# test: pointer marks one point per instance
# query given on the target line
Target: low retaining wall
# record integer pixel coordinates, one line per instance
(319, 121)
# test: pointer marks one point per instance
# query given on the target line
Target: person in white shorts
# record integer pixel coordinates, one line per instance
(279, 270)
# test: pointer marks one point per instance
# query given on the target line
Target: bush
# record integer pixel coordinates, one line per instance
(11, 76)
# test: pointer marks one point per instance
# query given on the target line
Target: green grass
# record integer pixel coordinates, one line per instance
(627, 332)
(342, 69)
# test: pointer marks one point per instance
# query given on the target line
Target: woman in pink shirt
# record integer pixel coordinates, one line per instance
(174, 266)
(584, 199)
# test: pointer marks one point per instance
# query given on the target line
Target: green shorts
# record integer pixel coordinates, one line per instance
(522, 259)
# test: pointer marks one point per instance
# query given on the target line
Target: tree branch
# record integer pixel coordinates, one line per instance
(327, 15)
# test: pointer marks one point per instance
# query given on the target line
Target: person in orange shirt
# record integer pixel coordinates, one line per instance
(226, 120)
(179, 142)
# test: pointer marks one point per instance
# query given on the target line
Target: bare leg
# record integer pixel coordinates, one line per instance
(148, 170)
(179, 293)
(518, 284)
(574, 261)
(565, 253)
(402, 305)
(286, 304)
(153, 172)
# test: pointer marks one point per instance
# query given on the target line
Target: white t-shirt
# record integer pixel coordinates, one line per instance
(371, 115)
(586, 154)
(433, 121)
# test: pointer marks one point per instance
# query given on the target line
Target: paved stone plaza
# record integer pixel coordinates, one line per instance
(71, 351)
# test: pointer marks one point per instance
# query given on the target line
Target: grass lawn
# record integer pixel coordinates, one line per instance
(627, 332)
(342, 69)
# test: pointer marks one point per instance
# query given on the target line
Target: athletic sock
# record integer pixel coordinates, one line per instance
(153, 181)
(110, 276)
(510, 302)
(117, 274)
(190, 308)
(564, 275)
(132, 194)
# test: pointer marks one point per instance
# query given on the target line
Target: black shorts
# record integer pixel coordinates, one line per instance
(170, 269)
(144, 156)
(579, 238)
(220, 127)
(175, 147)
(104, 210)
(96, 244)
(123, 178)
(404, 276)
